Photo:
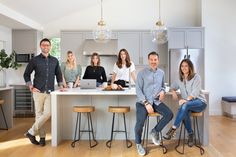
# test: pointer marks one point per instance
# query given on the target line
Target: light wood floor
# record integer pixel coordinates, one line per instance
(13, 144)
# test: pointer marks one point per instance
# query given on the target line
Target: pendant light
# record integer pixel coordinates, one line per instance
(159, 33)
(102, 34)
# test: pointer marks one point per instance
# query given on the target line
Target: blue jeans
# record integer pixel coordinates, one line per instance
(141, 115)
(184, 111)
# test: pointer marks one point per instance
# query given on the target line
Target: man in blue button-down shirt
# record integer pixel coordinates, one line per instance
(150, 95)
(46, 67)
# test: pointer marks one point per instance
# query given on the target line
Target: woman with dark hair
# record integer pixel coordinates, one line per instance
(71, 71)
(124, 69)
(192, 100)
(95, 71)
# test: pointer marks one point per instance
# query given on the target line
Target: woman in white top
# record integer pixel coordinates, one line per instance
(123, 69)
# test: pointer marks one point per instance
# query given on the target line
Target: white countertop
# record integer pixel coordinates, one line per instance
(6, 88)
(97, 91)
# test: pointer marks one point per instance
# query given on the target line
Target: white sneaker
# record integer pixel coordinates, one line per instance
(140, 149)
(155, 137)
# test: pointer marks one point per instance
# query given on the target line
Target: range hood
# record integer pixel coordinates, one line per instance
(103, 49)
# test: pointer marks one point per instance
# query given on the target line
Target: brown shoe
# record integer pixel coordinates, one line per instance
(31, 138)
(42, 142)
(170, 134)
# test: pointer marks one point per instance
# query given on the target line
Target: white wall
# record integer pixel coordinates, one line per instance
(131, 14)
(220, 52)
(12, 76)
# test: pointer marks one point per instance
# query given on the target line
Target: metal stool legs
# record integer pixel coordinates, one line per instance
(128, 142)
(179, 140)
(197, 142)
(195, 123)
(90, 130)
(145, 135)
(4, 120)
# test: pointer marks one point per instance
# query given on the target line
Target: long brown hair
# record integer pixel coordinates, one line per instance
(191, 70)
(93, 55)
(127, 59)
(73, 66)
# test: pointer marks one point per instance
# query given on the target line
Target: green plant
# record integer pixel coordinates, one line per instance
(8, 61)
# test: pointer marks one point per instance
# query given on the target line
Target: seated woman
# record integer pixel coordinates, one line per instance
(192, 100)
(71, 71)
(95, 71)
(123, 69)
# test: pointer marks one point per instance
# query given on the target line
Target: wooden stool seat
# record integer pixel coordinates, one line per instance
(196, 114)
(154, 114)
(84, 109)
(119, 109)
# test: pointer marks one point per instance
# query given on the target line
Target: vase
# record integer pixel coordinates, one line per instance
(2, 78)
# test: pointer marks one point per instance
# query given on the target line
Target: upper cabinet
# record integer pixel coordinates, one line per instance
(147, 46)
(26, 41)
(131, 42)
(73, 41)
(192, 37)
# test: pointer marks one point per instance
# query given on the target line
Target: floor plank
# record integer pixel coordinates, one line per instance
(13, 143)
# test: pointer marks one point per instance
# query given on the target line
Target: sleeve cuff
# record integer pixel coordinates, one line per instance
(28, 83)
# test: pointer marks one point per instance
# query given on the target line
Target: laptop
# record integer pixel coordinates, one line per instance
(88, 84)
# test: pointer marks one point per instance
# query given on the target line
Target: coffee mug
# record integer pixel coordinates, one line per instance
(104, 85)
(70, 84)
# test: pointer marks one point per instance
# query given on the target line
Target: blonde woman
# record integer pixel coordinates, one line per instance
(71, 71)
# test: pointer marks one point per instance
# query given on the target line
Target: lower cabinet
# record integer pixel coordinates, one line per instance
(24, 104)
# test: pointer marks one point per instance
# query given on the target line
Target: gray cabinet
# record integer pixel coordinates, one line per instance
(186, 37)
(131, 42)
(147, 46)
(26, 41)
(24, 104)
(73, 41)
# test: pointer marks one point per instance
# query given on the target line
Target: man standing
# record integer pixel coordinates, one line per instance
(45, 67)
(150, 94)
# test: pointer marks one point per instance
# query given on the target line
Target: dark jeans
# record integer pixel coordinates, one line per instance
(184, 111)
(141, 115)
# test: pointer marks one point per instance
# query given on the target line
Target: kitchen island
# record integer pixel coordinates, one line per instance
(63, 119)
(7, 94)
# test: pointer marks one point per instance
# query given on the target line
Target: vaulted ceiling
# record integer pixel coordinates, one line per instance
(44, 11)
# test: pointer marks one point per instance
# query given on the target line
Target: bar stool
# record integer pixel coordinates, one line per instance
(88, 110)
(114, 110)
(146, 128)
(197, 142)
(1, 103)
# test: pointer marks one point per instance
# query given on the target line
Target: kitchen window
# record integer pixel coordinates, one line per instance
(56, 49)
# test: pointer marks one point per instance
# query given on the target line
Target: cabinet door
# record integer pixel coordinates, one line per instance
(72, 41)
(186, 37)
(195, 38)
(131, 42)
(176, 38)
(147, 46)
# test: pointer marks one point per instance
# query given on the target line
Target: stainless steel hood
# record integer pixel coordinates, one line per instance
(109, 48)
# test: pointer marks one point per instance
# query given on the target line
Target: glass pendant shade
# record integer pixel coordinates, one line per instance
(102, 34)
(159, 33)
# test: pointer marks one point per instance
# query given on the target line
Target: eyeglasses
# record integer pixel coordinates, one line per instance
(45, 45)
